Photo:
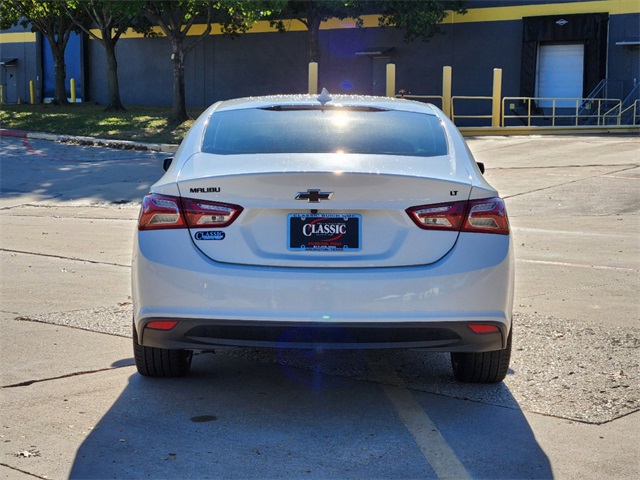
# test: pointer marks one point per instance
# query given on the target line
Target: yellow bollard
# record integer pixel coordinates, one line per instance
(32, 92)
(313, 78)
(497, 97)
(446, 91)
(391, 80)
(1, 94)
(73, 90)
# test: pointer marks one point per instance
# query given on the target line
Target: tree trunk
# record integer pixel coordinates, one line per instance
(314, 38)
(115, 104)
(179, 109)
(60, 74)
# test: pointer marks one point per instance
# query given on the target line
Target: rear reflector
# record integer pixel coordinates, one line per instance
(161, 325)
(481, 328)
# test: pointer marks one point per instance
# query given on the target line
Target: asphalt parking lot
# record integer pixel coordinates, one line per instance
(73, 405)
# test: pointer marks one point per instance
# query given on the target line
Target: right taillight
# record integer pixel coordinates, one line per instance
(166, 211)
(441, 216)
(488, 215)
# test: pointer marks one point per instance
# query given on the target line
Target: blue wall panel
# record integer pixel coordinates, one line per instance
(72, 58)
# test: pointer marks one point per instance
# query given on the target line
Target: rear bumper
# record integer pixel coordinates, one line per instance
(200, 334)
(423, 306)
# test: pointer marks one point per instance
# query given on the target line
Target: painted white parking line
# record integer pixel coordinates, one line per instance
(577, 265)
(433, 446)
(569, 232)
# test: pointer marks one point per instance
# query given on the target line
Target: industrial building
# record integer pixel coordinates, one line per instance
(546, 49)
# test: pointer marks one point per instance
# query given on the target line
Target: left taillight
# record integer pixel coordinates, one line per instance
(160, 212)
(166, 211)
(203, 214)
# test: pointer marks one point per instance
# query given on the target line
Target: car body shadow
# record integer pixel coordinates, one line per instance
(279, 414)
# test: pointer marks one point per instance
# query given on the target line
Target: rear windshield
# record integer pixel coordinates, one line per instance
(324, 130)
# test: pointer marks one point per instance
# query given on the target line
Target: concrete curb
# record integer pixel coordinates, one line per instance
(98, 142)
(568, 130)
(466, 131)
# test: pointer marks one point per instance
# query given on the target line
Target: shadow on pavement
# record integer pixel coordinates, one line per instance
(237, 418)
(71, 172)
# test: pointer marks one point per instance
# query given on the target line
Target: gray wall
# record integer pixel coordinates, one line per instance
(218, 68)
(26, 68)
(623, 61)
(268, 63)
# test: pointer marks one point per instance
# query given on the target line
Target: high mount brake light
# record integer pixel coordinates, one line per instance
(488, 215)
(165, 211)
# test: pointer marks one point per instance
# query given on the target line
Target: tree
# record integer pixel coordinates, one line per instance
(112, 19)
(176, 19)
(418, 18)
(311, 14)
(51, 19)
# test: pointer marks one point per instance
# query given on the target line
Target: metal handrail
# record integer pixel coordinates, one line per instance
(601, 86)
(632, 94)
(466, 97)
(635, 106)
(579, 106)
(617, 116)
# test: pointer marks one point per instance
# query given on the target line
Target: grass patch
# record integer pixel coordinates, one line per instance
(141, 124)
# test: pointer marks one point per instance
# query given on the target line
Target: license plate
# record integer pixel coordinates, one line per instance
(324, 232)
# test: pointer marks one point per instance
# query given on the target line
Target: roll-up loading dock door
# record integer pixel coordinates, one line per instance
(540, 33)
(560, 73)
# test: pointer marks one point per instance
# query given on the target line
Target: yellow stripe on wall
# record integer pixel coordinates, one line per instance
(20, 37)
(263, 26)
(473, 15)
(498, 14)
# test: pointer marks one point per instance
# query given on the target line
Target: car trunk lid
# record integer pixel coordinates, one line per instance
(324, 211)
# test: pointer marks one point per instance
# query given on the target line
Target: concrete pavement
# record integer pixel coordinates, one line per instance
(73, 406)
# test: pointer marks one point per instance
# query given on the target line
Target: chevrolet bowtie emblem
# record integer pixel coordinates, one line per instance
(314, 196)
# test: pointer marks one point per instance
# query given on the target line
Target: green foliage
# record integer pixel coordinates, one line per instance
(111, 17)
(9, 16)
(176, 17)
(310, 12)
(48, 18)
(417, 18)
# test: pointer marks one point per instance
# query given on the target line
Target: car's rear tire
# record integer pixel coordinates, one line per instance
(160, 362)
(483, 367)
